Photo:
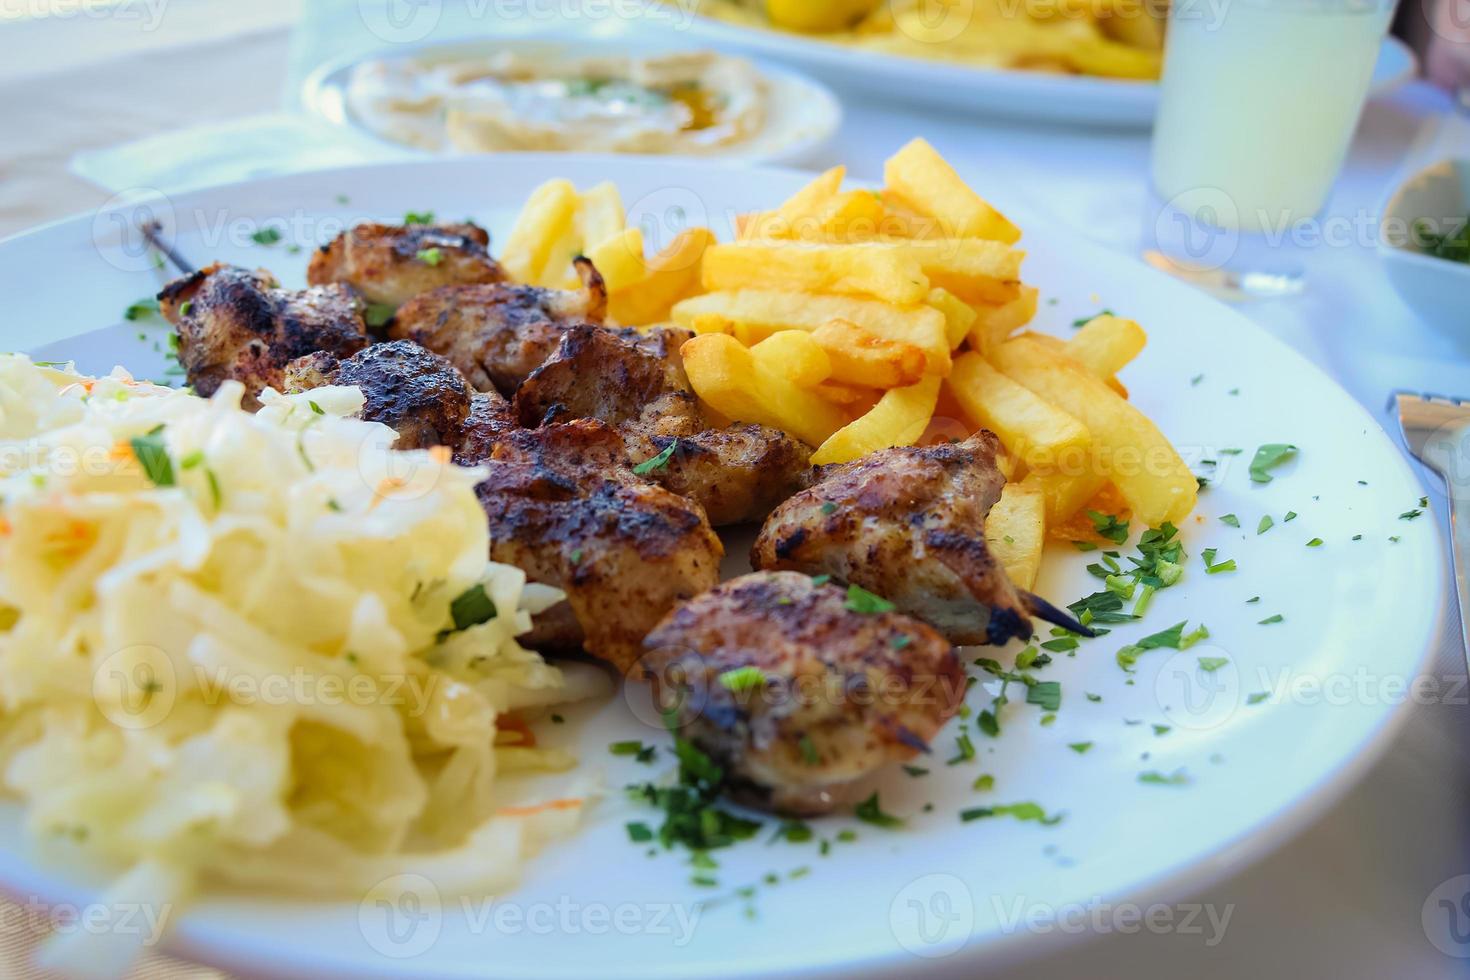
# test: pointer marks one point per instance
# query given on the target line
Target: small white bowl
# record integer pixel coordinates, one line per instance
(1437, 289)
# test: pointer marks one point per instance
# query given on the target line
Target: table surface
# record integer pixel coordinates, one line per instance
(1343, 899)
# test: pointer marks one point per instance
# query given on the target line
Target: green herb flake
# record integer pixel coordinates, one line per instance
(742, 679)
(1265, 525)
(152, 454)
(1155, 778)
(1081, 748)
(657, 462)
(267, 236)
(430, 256)
(1267, 457)
(639, 832)
(1278, 618)
(1231, 520)
(860, 600)
(870, 811)
(1211, 664)
(1046, 694)
(472, 607)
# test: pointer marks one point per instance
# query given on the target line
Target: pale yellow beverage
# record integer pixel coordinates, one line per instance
(1258, 105)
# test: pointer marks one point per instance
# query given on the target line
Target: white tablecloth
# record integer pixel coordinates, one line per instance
(1342, 900)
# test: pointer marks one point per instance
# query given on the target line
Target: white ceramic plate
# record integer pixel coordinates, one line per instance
(802, 114)
(1035, 96)
(941, 894)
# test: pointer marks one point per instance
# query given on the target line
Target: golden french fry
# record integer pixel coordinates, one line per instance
(544, 230)
(755, 314)
(620, 259)
(959, 316)
(602, 215)
(1038, 433)
(853, 270)
(926, 183)
(859, 357)
(1015, 531)
(796, 355)
(853, 216)
(1106, 344)
(798, 209)
(856, 399)
(1064, 494)
(975, 270)
(901, 221)
(728, 378)
(1060, 346)
(672, 275)
(899, 419)
(994, 324)
(1132, 452)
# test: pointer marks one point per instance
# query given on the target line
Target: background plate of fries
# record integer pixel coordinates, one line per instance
(862, 315)
(1053, 60)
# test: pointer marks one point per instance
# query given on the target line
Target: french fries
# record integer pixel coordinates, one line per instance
(993, 324)
(543, 232)
(670, 276)
(1137, 458)
(925, 181)
(1031, 428)
(797, 355)
(853, 270)
(725, 374)
(1106, 344)
(751, 315)
(959, 316)
(859, 357)
(899, 419)
(1064, 494)
(1015, 531)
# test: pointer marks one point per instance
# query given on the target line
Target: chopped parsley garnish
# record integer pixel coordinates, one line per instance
(1080, 748)
(860, 600)
(1155, 778)
(1278, 618)
(808, 750)
(900, 640)
(152, 454)
(657, 462)
(419, 218)
(1231, 520)
(430, 256)
(829, 507)
(1265, 525)
(1257, 698)
(965, 749)
(983, 783)
(869, 811)
(1270, 455)
(316, 408)
(1290, 516)
(1162, 730)
(742, 679)
(1108, 526)
(636, 749)
(793, 832)
(1083, 321)
(1093, 697)
(691, 817)
(471, 607)
(1314, 543)
(820, 580)
(1021, 811)
(142, 309)
(1211, 664)
(1047, 694)
(378, 314)
(1409, 515)
(266, 236)
(916, 771)
(639, 833)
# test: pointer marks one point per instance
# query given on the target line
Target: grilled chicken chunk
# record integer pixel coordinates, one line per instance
(909, 524)
(839, 694)
(635, 381)
(391, 264)
(414, 391)
(565, 507)
(239, 324)
(498, 334)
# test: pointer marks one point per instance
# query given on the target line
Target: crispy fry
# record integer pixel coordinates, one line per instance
(1064, 494)
(1106, 344)
(994, 324)
(926, 183)
(856, 399)
(860, 357)
(796, 355)
(1132, 452)
(602, 216)
(754, 314)
(959, 316)
(726, 376)
(620, 259)
(673, 274)
(853, 216)
(1015, 531)
(855, 270)
(545, 224)
(799, 209)
(898, 419)
(1038, 433)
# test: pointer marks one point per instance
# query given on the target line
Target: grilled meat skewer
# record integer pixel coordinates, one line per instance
(391, 264)
(827, 695)
(908, 524)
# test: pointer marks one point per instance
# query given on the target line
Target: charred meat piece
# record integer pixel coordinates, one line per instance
(565, 507)
(636, 382)
(415, 392)
(498, 334)
(795, 695)
(239, 324)
(909, 524)
(391, 264)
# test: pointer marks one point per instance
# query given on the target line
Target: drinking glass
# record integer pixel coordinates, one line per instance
(1258, 103)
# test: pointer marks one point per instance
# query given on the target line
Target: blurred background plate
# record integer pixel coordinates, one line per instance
(802, 115)
(1031, 95)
